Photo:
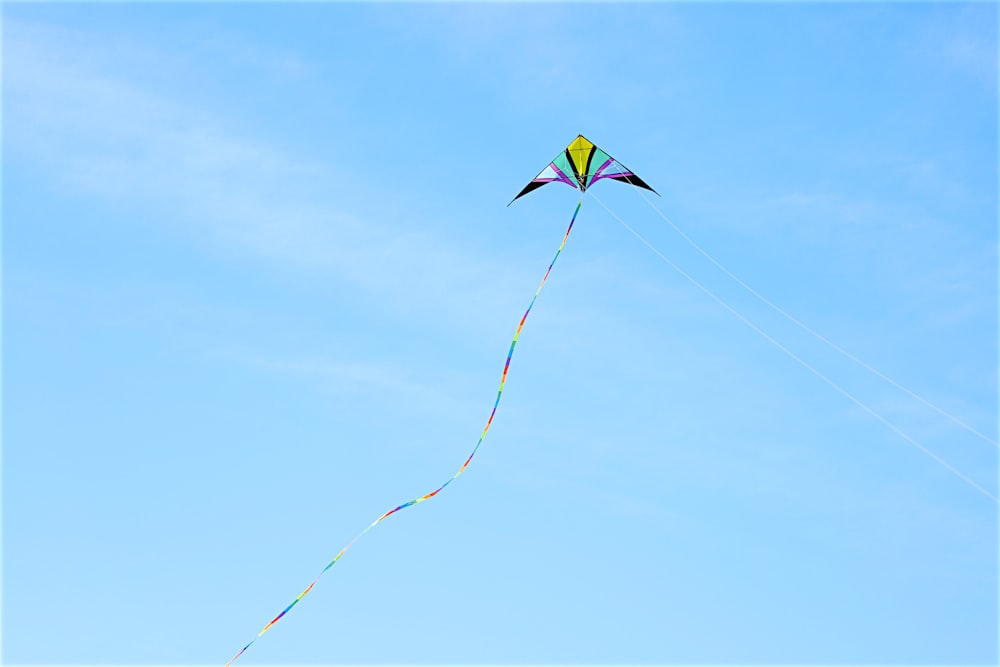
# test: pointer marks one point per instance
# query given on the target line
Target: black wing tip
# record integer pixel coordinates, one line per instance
(533, 185)
(632, 179)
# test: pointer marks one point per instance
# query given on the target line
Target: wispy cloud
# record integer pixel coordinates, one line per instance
(970, 47)
(106, 135)
(381, 378)
(556, 69)
(102, 134)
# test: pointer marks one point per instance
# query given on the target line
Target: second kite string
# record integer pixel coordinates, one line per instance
(503, 379)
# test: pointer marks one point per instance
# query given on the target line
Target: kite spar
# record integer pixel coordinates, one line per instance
(580, 166)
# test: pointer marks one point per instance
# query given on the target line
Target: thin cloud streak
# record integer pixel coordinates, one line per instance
(106, 136)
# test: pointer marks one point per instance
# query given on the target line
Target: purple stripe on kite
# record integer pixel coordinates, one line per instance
(597, 174)
(614, 175)
(563, 178)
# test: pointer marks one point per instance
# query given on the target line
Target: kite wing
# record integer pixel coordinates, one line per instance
(581, 165)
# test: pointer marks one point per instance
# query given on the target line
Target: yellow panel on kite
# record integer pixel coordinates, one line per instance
(579, 153)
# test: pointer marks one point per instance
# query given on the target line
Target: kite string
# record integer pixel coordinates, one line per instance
(791, 318)
(426, 496)
(801, 361)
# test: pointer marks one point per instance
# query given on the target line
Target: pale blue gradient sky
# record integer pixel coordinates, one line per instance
(259, 279)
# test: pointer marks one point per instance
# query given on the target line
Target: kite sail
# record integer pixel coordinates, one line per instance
(577, 160)
(581, 165)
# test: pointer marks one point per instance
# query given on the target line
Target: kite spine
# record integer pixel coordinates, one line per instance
(489, 422)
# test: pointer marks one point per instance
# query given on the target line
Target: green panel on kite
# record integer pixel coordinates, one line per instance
(562, 163)
(599, 158)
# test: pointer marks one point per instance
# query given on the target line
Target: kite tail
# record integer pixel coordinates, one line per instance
(503, 380)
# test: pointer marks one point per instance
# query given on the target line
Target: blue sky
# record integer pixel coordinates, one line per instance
(259, 279)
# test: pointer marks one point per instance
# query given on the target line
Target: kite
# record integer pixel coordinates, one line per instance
(581, 165)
